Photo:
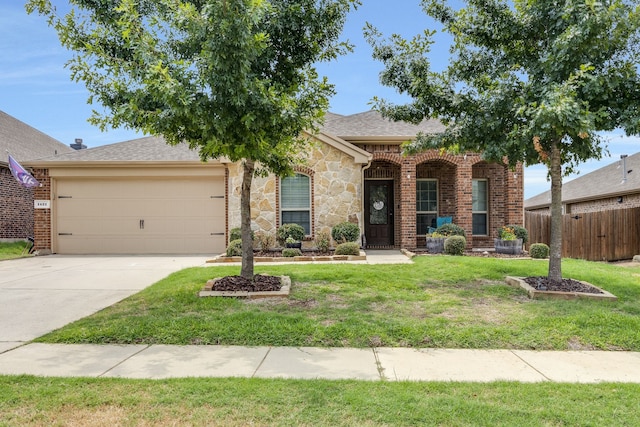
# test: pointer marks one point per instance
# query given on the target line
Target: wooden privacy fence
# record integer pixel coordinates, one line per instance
(595, 236)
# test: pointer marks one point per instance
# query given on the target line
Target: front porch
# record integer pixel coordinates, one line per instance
(404, 195)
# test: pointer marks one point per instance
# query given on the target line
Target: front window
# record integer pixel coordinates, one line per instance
(295, 201)
(480, 207)
(426, 204)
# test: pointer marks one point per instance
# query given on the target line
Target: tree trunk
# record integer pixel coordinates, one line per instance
(555, 255)
(245, 219)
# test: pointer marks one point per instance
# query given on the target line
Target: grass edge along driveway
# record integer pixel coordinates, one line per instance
(439, 302)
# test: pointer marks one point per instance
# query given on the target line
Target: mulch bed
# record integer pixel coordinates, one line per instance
(278, 253)
(260, 283)
(542, 283)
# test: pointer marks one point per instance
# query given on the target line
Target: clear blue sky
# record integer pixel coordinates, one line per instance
(36, 89)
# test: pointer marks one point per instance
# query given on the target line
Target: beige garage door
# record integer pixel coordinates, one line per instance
(140, 216)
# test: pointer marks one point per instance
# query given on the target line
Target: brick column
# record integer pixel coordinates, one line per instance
(407, 214)
(514, 190)
(464, 199)
(42, 217)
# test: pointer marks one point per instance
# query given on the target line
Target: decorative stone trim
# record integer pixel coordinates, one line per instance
(283, 292)
(536, 294)
(326, 258)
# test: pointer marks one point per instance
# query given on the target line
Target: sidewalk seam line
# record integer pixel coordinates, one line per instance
(379, 365)
(124, 360)
(531, 366)
(261, 362)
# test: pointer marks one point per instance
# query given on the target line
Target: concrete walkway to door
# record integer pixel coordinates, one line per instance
(40, 294)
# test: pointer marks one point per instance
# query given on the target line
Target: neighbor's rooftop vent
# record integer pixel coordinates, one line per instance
(78, 145)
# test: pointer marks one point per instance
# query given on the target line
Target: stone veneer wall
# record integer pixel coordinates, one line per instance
(336, 192)
(16, 208)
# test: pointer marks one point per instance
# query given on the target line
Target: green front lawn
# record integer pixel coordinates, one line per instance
(448, 302)
(12, 250)
(27, 401)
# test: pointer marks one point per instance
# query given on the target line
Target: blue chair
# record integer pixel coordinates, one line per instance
(440, 221)
(443, 220)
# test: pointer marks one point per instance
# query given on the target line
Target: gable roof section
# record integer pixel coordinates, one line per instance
(359, 155)
(601, 183)
(370, 125)
(146, 149)
(364, 126)
(26, 143)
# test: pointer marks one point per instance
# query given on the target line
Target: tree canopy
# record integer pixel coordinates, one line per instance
(232, 78)
(528, 81)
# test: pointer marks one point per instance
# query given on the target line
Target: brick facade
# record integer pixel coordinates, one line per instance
(16, 208)
(454, 174)
(42, 217)
(616, 202)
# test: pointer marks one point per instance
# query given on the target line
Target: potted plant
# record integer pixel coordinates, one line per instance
(435, 240)
(435, 243)
(290, 242)
(290, 234)
(510, 240)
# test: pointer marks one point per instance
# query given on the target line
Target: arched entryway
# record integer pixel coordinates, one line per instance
(381, 193)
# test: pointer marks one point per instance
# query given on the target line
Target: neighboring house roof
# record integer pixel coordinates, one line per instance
(26, 143)
(599, 184)
(371, 125)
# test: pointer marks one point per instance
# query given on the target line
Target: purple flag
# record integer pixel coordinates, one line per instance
(21, 174)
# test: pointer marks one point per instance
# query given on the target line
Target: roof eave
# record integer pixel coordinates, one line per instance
(137, 163)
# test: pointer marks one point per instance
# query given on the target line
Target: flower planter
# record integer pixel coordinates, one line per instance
(435, 245)
(509, 247)
(295, 245)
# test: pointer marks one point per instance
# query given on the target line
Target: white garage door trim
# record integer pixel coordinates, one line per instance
(178, 214)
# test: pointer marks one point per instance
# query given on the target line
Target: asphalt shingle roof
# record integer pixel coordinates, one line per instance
(372, 124)
(150, 148)
(604, 182)
(26, 143)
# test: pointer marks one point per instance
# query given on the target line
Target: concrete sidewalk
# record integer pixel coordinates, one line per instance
(376, 364)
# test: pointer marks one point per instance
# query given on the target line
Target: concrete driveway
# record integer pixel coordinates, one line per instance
(40, 294)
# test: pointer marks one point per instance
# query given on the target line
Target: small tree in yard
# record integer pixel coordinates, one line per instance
(529, 81)
(232, 78)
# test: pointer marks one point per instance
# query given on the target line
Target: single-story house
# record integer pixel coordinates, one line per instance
(23, 143)
(615, 186)
(143, 196)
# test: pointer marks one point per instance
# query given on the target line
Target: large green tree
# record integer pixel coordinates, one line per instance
(531, 81)
(232, 78)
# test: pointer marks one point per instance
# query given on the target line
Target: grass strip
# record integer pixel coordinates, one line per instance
(439, 302)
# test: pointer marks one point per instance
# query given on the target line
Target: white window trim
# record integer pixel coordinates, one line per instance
(437, 196)
(437, 199)
(297, 209)
(485, 212)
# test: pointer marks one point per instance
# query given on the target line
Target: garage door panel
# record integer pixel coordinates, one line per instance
(182, 215)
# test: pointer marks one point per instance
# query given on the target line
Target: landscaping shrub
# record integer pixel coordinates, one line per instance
(295, 231)
(520, 232)
(291, 252)
(236, 233)
(266, 240)
(322, 241)
(451, 229)
(348, 248)
(345, 232)
(539, 250)
(235, 248)
(455, 245)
